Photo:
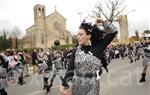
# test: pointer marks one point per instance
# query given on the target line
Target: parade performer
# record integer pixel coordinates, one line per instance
(46, 74)
(57, 67)
(3, 75)
(146, 60)
(85, 63)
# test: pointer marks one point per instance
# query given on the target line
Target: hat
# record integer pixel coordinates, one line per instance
(87, 26)
(96, 33)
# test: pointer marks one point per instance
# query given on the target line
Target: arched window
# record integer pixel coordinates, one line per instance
(42, 38)
(43, 11)
(39, 11)
(67, 39)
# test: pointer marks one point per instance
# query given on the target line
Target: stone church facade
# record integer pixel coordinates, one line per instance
(46, 30)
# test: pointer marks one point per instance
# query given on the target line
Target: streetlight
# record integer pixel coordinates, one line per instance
(80, 13)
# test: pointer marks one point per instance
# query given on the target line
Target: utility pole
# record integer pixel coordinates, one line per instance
(80, 14)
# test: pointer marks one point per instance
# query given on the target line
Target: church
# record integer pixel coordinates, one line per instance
(46, 30)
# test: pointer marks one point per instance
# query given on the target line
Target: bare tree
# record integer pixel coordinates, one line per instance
(109, 9)
(15, 33)
(146, 31)
(6, 31)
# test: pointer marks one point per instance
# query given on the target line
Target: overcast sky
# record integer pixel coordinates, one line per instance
(20, 12)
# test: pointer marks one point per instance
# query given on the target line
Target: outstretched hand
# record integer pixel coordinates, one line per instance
(64, 91)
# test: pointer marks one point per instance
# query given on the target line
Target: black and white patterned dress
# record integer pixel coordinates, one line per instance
(3, 72)
(86, 63)
(146, 60)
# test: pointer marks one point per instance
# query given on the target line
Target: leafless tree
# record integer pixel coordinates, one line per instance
(109, 9)
(2, 31)
(147, 31)
(15, 33)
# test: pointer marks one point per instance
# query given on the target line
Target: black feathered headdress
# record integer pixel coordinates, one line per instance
(87, 26)
(96, 33)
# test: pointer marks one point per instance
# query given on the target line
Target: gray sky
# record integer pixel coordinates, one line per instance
(20, 12)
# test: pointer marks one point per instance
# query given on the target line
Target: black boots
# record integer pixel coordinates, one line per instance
(143, 77)
(47, 90)
(20, 81)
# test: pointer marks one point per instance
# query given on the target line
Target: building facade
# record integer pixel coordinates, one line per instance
(46, 30)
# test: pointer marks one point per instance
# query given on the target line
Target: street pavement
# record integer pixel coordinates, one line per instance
(122, 79)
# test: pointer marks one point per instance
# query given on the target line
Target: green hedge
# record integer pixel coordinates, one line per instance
(61, 47)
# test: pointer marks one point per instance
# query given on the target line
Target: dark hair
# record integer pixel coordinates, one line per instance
(93, 30)
(87, 27)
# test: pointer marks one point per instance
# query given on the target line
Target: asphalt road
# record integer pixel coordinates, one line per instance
(122, 79)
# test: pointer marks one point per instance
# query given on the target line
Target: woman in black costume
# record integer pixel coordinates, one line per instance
(86, 58)
(146, 60)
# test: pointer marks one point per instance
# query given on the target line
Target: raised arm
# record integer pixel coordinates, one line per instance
(110, 33)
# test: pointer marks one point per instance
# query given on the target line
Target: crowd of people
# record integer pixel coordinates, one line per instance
(14, 65)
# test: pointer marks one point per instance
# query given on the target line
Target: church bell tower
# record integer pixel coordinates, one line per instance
(39, 25)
